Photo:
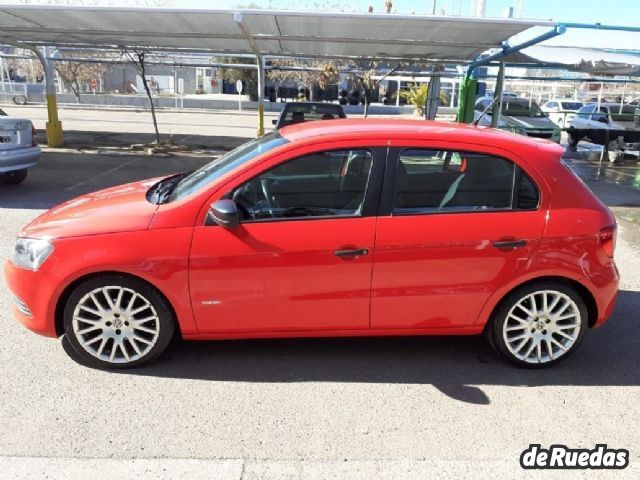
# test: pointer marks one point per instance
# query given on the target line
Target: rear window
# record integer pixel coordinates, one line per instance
(305, 113)
(571, 105)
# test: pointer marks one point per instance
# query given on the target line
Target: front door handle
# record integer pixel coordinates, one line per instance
(507, 244)
(351, 253)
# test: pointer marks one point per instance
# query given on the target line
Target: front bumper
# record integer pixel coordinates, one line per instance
(36, 292)
(19, 158)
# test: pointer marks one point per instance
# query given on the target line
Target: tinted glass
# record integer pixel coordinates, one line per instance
(318, 185)
(571, 105)
(528, 194)
(215, 169)
(298, 113)
(2, 113)
(585, 111)
(519, 108)
(430, 181)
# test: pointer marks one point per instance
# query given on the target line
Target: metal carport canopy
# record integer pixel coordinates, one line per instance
(278, 33)
(593, 61)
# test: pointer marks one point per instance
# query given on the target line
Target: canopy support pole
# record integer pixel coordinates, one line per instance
(469, 83)
(497, 106)
(55, 134)
(239, 19)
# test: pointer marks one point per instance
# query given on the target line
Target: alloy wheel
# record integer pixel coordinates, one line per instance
(116, 324)
(542, 326)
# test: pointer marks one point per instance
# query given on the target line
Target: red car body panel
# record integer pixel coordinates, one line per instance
(435, 274)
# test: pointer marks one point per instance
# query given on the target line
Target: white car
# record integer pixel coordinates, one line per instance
(519, 115)
(18, 150)
(606, 124)
(561, 112)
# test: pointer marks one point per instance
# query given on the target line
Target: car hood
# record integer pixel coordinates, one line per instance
(118, 209)
(528, 122)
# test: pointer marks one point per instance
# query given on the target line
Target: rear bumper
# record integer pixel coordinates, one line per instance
(19, 158)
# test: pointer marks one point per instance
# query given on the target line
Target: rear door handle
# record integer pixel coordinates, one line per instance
(506, 244)
(351, 253)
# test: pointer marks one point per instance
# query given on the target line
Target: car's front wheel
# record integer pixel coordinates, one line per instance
(115, 321)
(13, 178)
(539, 325)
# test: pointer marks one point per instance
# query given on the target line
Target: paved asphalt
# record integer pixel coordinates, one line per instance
(310, 409)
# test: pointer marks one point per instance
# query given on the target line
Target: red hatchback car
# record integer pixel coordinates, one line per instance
(341, 228)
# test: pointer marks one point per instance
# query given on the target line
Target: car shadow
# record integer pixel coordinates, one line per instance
(459, 367)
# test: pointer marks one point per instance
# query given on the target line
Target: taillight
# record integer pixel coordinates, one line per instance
(607, 237)
(33, 136)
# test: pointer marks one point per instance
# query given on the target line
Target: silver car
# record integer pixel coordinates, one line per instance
(18, 150)
(561, 112)
(519, 115)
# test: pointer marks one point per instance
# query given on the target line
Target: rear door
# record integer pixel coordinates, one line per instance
(455, 224)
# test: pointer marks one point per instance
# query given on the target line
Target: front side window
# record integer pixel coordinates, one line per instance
(431, 181)
(322, 184)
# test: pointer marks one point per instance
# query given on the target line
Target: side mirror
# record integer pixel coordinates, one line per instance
(223, 213)
(274, 121)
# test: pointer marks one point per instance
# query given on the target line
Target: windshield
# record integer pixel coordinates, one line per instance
(520, 108)
(571, 105)
(218, 167)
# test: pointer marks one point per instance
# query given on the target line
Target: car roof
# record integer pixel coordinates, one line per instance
(400, 128)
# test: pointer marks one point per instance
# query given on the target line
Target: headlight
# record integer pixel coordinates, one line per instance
(31, 253)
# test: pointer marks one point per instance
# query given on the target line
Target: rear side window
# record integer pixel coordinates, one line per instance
(431, 181)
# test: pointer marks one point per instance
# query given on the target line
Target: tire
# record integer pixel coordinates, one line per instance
(532, 340)
(13, 178)
(573, 140)
(99, 323)
(20, 99)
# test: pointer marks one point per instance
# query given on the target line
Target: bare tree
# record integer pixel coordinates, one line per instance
(321, 73)
(137, 58)
(76, 74)
(365, 79)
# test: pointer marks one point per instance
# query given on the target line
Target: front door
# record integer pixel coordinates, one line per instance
(301, 259)
(459, 225)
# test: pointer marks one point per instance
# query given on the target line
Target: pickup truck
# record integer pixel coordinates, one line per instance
(18, 149)
(608, 125)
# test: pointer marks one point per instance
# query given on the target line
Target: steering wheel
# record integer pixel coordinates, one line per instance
(271, 204)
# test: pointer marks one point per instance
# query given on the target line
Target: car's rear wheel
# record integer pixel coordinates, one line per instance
(115, 321)
(573, 140)
(13, 178)
(539, 325)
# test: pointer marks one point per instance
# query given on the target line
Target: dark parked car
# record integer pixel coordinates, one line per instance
(298, 112)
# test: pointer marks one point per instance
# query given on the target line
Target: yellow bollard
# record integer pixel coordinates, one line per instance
(55, 136)
(260, 120)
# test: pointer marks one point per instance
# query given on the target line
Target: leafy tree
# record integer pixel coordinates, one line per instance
(416, 95)
(249, 77)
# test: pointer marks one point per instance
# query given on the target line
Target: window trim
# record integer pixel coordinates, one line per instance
(389, 185)
(371, 195)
